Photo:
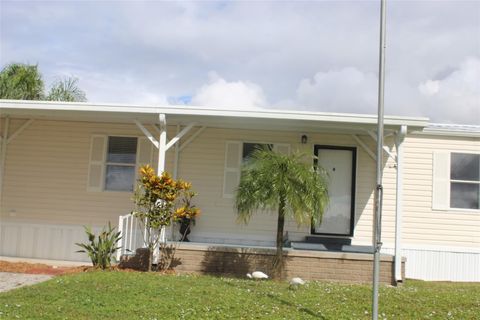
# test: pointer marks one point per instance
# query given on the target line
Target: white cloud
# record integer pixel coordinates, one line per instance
(456, 97)
(104, 88)
(429, 87)
(320, 55)
(344, 90)
(236, 94)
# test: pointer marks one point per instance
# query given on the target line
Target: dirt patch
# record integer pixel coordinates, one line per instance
(39, 268)
(44, 269)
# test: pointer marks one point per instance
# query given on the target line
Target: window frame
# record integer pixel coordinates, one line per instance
(450, 181)
(107, 163)
(226, 169)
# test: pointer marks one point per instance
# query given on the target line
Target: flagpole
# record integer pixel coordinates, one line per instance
(377, 234)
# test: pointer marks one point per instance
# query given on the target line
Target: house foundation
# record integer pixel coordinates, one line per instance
(308, 265)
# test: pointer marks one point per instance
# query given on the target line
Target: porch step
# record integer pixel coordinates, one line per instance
(331, 247)
(328, 240)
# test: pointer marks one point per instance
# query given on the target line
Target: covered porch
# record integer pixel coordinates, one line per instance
(192, 143)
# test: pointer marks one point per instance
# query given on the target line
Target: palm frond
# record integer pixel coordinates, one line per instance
(66, 89)
(268, 174)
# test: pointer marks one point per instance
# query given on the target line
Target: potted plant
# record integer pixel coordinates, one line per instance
(185, 215)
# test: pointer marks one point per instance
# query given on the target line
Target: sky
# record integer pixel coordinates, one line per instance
(296, 55)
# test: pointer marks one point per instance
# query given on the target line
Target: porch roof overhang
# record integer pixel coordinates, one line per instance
(262, 119)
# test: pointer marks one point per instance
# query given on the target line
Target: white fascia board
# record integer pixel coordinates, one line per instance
(74, 106)
(295, 115)
(471, 131)
(212, 112)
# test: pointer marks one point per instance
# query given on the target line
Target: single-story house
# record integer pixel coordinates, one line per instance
(66, 165)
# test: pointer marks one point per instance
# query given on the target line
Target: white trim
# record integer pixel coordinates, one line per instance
(448, 208)
(231, 169)
(147, 133)
(3, 158)
(179, 135)
(162, 141)
(440, 263)
(193, 137)
(385, 149)
(101, 163)
(338, 118)
(459, 211)
(364, 147)
(176, 156)
(440, 180)
(451, 130)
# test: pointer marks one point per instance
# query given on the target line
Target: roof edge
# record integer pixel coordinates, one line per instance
(418, 122)
(448, 129)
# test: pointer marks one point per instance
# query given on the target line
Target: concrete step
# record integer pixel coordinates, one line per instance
(328, 240)
(331, 247)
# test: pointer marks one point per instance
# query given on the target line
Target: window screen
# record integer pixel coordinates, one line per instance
(465, 181)
(120, 166)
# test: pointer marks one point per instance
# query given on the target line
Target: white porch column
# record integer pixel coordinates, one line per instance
(162, 151)
(3, 155)
(177, 153)
(162, 142)
(399, 203)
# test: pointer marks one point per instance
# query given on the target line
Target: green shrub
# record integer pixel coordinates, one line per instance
(101, 249)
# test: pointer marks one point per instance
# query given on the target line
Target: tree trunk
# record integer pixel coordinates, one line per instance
(150, 258)
(280, 226)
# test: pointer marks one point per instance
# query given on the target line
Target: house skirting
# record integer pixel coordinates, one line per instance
(308, 265)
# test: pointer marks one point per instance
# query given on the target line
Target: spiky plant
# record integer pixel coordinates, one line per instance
(286, 183)
(101, 248)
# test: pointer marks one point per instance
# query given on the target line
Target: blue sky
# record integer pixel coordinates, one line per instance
(308, 55)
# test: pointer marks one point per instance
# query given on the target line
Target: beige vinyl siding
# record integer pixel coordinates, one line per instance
(46, 175)
(421, 224)
(202, 162)
(47, 168)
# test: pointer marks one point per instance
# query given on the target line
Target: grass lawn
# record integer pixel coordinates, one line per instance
(132, 295)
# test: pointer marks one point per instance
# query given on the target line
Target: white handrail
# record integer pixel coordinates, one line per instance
(128, 227)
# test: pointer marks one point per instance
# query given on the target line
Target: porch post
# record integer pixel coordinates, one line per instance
(162, 142)
(177, 153)
(162, 150)
(399, 203)
(3, 156)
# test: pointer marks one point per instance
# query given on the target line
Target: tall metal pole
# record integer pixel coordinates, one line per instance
(377, 240)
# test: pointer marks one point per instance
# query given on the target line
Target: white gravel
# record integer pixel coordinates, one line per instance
(9, 280)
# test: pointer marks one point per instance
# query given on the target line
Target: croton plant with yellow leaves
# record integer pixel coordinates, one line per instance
(159, 200)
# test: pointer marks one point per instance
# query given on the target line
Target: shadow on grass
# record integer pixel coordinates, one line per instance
(280, 300)
(292, 305)
(236, 261)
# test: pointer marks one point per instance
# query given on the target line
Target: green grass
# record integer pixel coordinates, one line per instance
(122, 295)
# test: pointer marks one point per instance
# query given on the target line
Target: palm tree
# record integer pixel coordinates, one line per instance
(286, 183)
(24, 82)
(21, 82)
(66, 89)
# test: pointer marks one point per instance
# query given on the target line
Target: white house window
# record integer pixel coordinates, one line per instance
(249, 148)
(236, 153)
(464, 181)
(114, 162)
(120, 163)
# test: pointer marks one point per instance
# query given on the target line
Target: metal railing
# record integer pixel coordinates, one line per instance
(132, 236)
